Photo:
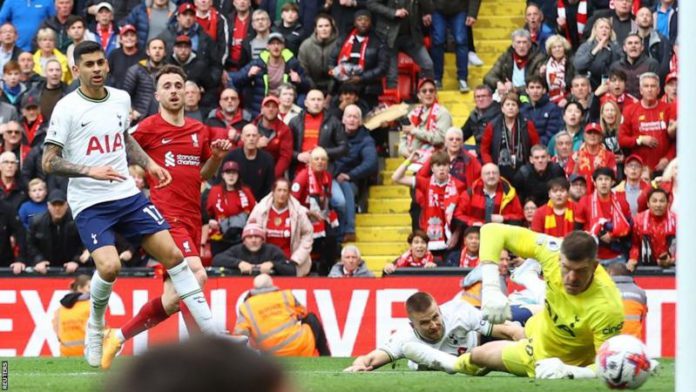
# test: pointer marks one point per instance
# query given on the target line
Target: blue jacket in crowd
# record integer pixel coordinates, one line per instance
(546, 116)
(26, 16)
(361, 160)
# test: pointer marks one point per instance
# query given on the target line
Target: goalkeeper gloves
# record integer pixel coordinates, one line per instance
(494, 304)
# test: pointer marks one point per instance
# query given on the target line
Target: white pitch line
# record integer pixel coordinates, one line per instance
(71, 374)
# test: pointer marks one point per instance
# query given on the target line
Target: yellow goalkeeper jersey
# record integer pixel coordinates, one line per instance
(572, 327)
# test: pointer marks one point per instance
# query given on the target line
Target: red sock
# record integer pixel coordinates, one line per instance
(191, 325)
(151, 314)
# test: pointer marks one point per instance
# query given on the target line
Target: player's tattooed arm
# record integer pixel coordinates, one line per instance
(135, 153)
(53, 163)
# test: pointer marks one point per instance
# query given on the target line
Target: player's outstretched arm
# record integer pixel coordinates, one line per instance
(52, 162)
(137, 155)
(369, 362)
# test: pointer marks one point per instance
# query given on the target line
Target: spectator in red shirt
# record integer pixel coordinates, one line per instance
(438, 197)
(644, 130)
(463, 165)
(614, 90)
(276, 137)
(229, 205)
(492, 199)
(654, 233)
(633, 184)
(591, 155)
(507, 141)
(239, 23)
(417, 255)
(557, 217)
(469, 258)
(606, 216)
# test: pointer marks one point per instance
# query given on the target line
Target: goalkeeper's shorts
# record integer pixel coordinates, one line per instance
(518, 358)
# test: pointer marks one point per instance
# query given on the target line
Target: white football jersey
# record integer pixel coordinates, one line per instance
(463, 326)
(91, 133)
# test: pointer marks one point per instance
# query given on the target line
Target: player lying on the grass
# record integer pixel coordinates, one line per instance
(87, 140)
(583, 307)
(436, 335)
(191, 152)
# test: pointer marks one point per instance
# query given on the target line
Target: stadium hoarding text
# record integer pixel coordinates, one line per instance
(357, 314)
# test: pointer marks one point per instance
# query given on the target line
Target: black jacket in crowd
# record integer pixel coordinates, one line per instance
(10, 226)
(231, 258)
(532, 184)
(332, 137)
(55, 242)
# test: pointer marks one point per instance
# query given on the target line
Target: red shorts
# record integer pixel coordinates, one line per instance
(187, 236)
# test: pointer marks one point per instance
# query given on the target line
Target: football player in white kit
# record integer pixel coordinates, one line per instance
(436, 336)
(88, 141)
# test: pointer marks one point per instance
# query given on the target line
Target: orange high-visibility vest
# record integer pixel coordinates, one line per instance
(472, 294)
(271, 320)
(635, 306)
(71, 328)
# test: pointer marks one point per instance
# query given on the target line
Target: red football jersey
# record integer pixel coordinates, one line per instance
(182, 151)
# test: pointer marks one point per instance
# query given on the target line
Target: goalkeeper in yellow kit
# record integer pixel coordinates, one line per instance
(583, 307)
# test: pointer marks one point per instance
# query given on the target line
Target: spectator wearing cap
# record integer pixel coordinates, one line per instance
(354, 170)
(150, 19)
(452, 15)
(11, 187)
(197, 68)
(591, 155)
(26, 17)
(290, 27)
(315, 53)
(511, 70)
(647, 129)
(8, 44)
(254, 256)
(257, 169)
(578, 187)
(59, 23)
(139, 82)
(532, 178)
(359, 58)
(633, 184)
(634, 63)
(215, 25)
(427, 124)
(46, 41)
(53, 238)
(398, 24)
(11, 229)
(204, 47)
(33, 124)
(50, 90)
(229, 115)
(228, 206)
(104, 29)
(351, 265)
(275, 135)
(287, 225)
(507, 141)
(264, 75)
(77, 31)
(12, 88)
(607, 216)
(125, 56)
(670, 95)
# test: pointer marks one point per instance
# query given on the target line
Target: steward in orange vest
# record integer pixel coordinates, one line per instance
(70, 318)
(634, 300)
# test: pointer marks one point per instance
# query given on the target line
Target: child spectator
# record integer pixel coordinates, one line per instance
(416, 256)
(36, 205)
(470, 251)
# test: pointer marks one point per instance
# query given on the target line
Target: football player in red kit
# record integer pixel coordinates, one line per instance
(184, 147)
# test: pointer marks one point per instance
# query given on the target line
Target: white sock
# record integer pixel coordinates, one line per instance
(423, 354)
(119, 336)
(190, 292)
(100, 292)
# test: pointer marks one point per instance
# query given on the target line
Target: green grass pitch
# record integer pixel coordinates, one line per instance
(320, 374)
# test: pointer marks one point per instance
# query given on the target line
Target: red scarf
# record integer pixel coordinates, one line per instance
(407, 260)
(320, 192)
(585, 163)
(581, 16)
(28, 135)
(555, 79)
(210, 28)
(467, 261)
(104, 35)
(430, 120)
(621, 225)
(347, 49)
(235, 119)
(438, 211)
(520, 62)
(656, 232)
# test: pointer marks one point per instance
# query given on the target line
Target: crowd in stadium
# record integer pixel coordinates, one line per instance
(574, 126)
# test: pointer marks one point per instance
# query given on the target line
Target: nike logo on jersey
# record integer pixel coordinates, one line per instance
(166, 141)
(84, 124)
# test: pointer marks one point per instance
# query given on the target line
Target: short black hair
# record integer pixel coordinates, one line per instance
(72, 19)
(618, 73)
(603, 171)
(86, 47)
(472, 229)
(419, 302)
(573, 102)
(170, 69)
(536, 79)
(558, 182)
(579, 246)
(653, 191)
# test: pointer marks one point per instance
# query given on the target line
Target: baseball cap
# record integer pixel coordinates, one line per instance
(230, 166)
(182, 39)
(270, 98)
(126, 28)
(253, 229)
(362, 12)
(106, 5)
(29, 100)
(424, 81)
(634, 157)
(277, 36)
(670, 77)
(593, 127)
(186, 7)
(575, 177)
(57, 195)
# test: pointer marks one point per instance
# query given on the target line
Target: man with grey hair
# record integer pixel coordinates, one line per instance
(513, 67)
(351, 265)
(463, 165)
(353, 170)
